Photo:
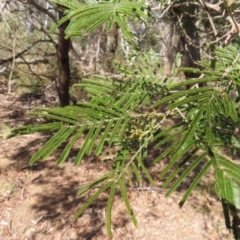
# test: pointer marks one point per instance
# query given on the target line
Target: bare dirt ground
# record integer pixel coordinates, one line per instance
(39, 202)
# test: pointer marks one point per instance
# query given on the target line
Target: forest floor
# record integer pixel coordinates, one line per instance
(39, 202)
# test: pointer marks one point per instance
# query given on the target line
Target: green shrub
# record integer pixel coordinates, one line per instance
(132, 111)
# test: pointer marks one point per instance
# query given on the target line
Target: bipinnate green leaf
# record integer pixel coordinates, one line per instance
(196, 92)
(230, 108)
(122, 23)
(236, 193)
(167, 152)
(229, 167)
(195, 182)
(97, 86)
(92, 199)
(224, 186)
(169, 138)
(96, 182)
(180, 165)
(191, 70)
(86, 143)
(114, 133)
(35, 128)
(203, 97)
(217, 106)
(136, 171)
(103, 137)
(70, 144)
(65, 115)
(183, 176)
(209, 125)
(123, 190)
(175, 157)
(109, 208)
(145, 170)
(88, 17)
(95, 136)
(53, 143)
(193, 126)
(193, 81)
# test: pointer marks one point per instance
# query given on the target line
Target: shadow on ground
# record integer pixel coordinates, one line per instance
(50, 191)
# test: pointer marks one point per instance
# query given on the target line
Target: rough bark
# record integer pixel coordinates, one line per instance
(63, 80)
(190, 45)
(183, 38)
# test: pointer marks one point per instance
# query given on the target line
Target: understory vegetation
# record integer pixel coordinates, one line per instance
(192, 124)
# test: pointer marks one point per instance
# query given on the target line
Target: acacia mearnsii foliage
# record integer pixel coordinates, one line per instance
(190, 124)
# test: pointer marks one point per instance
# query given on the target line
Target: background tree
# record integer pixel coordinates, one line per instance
(63, 80)
(37, 17)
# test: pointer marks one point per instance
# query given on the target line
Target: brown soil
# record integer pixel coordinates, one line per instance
(39, 202)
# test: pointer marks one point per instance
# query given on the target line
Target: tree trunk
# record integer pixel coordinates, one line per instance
(63, 80)
(183, 38)
(190, 44)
